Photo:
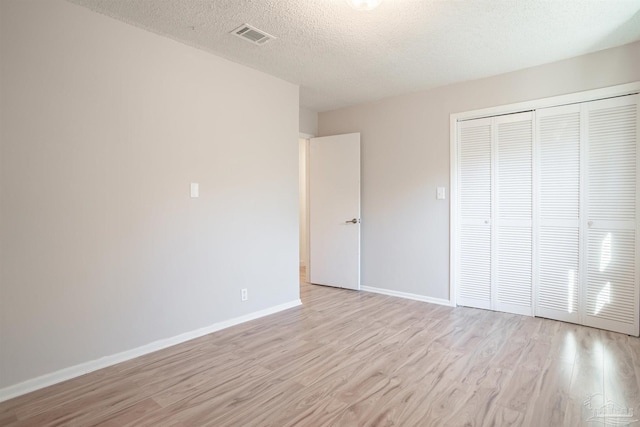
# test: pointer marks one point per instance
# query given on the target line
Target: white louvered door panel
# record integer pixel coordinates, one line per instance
(513, 216)
(611, 293)
(473, 264)
(559, 267)
(558, 188)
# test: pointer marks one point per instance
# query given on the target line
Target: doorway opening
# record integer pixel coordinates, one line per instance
(303, 144)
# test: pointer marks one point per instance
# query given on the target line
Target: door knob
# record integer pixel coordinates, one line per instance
(352, 221)
(590, 223)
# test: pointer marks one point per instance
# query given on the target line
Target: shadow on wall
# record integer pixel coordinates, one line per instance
(620, 35)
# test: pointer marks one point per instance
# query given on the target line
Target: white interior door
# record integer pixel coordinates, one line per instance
(513, 213)
(495, 204)
(474, 201)
(559, 189)
(611, 294)
(334, 211)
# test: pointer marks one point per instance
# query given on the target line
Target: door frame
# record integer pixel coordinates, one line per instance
(532, 105)
(307, 258)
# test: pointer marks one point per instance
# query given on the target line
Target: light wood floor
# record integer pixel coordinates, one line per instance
(350, 358)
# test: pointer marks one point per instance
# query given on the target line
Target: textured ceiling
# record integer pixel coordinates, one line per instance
(340, 56)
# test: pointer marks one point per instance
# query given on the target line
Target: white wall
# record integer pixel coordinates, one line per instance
(103, 127)
(308, 121)
(405, 156)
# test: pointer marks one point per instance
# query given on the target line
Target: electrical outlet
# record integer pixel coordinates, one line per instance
(244, 295)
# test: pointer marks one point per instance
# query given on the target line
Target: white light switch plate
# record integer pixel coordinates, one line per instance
(440, 195)
(195, 190)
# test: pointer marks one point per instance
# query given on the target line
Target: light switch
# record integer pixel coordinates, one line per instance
(195, 190)
(440, 193)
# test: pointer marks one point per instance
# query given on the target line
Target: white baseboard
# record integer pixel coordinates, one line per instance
(407, 295)
(84, 368)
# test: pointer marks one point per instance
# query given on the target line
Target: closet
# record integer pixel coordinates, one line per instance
(495, 193)
(545, 213)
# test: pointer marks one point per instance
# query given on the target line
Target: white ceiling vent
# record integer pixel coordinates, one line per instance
(252, 34)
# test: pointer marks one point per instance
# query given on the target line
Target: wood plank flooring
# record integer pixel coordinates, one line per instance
(350, 358)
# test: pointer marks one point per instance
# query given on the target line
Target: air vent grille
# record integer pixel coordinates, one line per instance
(252, 34)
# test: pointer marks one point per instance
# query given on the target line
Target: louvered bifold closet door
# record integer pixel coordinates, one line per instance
(474, 212)
(611, 292)
(558, 189)
(514, 210)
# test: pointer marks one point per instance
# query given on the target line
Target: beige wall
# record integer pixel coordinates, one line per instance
(405, 156)
(308, 121)
(103, 127)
